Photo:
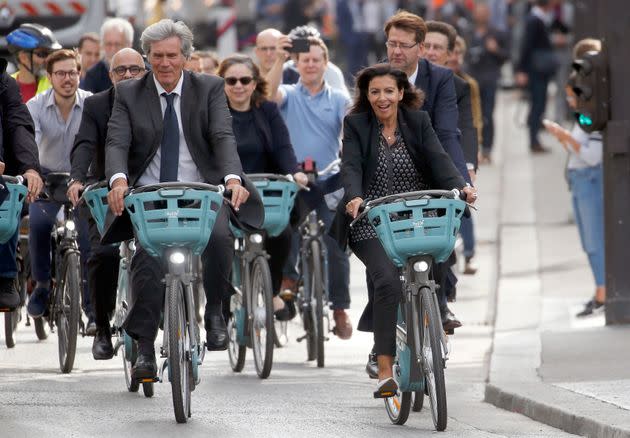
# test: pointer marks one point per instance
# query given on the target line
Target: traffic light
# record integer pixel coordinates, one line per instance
(590, 85)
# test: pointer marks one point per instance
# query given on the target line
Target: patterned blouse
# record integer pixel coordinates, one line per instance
(395, 173)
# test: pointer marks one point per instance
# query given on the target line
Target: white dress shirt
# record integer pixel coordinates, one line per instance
(187, 169)
(412, 78)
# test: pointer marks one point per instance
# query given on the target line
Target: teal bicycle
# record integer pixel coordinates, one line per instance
(251, 323)
(417, 230)
(95, 197)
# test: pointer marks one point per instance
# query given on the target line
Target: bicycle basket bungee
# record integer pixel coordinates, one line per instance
(11, 208)
(96, 200)
(277, 198)
(173, 217)
(417, 227)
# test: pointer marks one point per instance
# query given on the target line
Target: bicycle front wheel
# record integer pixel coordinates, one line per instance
(68, 297)
(179, 351)
(129, 356)
(317, 295)
(262, 327)
(11, 320)
(398, 407)
(432, 360)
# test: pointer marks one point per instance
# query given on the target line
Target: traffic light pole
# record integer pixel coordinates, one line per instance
(611, 18)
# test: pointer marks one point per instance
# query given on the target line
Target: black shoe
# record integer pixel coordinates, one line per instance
(591, 307)
(9, 297)
(371, 368)
(288, 312)
(145, 367)
(216, 331)
(102, 348)
(539, 149)
(449, 320)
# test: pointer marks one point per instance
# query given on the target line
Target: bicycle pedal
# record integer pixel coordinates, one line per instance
(450, 331)
(150, 380)
(5, 309)
(301, 338)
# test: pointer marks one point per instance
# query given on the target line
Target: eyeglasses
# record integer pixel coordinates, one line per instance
(61, 74)
(402, 46)
(122, 69)
(41, 53)
(245, 80)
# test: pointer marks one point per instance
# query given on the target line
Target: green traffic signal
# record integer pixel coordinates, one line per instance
(584, 120)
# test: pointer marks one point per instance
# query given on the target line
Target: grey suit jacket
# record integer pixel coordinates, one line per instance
(134, 133)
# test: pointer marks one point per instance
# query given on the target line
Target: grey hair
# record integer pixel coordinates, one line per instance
(118, 24)
(164, 29)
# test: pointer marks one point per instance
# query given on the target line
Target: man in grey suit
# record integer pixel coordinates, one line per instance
(174, 125)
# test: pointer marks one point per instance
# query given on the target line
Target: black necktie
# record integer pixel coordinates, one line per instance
(169, 154)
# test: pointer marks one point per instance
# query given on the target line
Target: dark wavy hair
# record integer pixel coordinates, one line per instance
(412, 97)
(262, 88)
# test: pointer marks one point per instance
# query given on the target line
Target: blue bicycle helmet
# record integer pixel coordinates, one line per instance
(30, 36)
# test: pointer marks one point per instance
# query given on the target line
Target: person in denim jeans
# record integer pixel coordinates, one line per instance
(585, 176)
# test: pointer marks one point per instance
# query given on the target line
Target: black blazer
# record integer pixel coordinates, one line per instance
(440, 101)
(88, 152)
(468, 139)
(275, 137)
(360, 158)
(97, 78)
(536, 37)
(18, 149)
(135, 133)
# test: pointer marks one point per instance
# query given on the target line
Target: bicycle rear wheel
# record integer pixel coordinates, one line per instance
(236, 351)
(129, 355)
(317, 294)
(40, 328)
(262, 327)
(398, 407)
(68, 297)
(179, 351)
(418, 401)
(11, 320)
(432, 362)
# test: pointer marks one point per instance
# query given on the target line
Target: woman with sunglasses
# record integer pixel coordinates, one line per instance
(264, 146)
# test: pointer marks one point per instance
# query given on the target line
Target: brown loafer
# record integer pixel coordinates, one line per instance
(343, 326)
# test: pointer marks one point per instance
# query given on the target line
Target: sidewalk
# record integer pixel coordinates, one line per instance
(570, 373)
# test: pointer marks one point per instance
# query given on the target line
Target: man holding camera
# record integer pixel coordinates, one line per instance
(314, 112)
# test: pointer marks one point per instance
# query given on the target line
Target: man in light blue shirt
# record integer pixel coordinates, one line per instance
(314, 112)
(57, 116)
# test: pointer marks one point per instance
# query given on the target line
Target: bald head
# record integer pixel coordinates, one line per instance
(481, 13)
(266, 48)
(124, 64)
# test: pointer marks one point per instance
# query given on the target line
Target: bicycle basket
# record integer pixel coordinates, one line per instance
(10, 210)
(96, 200)
(277, 198)
(417, 227)
(173, 217)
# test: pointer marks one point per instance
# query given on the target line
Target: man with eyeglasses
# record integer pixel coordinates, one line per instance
(88, 166)
(57, 116)
(31, 44)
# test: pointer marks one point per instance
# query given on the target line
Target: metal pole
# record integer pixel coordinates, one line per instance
(612, 17)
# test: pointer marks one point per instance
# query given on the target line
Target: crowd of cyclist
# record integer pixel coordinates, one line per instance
(162, 118)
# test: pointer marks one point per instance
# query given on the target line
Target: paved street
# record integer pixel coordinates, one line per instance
(297, 400)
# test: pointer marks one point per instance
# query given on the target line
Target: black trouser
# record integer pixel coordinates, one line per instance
(278, 249)
(488, 91)
(147, 273)
(382, 306)
(102, 274)
(537, 87)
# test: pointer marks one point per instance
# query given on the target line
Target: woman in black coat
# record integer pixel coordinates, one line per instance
(388, 147)
(263, 144)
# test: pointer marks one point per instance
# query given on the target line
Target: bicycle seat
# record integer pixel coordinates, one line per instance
(57, 186)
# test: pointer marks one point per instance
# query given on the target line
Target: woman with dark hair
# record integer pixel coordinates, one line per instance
(389, 147)
(264, 146)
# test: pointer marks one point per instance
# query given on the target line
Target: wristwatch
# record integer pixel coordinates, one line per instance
(73, 180)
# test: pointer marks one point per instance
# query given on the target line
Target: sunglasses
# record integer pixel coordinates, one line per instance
(133, 69)
(245, 80)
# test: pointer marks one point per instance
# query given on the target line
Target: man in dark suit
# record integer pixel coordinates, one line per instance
(88, 166)
(116, 34)
(174, 125)
(536, 66)
(18, 155)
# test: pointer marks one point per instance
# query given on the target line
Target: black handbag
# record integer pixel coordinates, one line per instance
(544, 62)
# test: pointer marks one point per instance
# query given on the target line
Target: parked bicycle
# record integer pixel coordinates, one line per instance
(251, 323)
(173, 221)
(417, 230)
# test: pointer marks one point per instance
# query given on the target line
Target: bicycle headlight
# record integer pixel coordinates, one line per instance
(256, 238)
(70, 225)
(421, 266)
(177, 258)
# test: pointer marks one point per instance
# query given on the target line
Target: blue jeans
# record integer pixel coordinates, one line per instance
(42, 218)
(588, 206)
(537, 87)
(8, 265)
(467, 231)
